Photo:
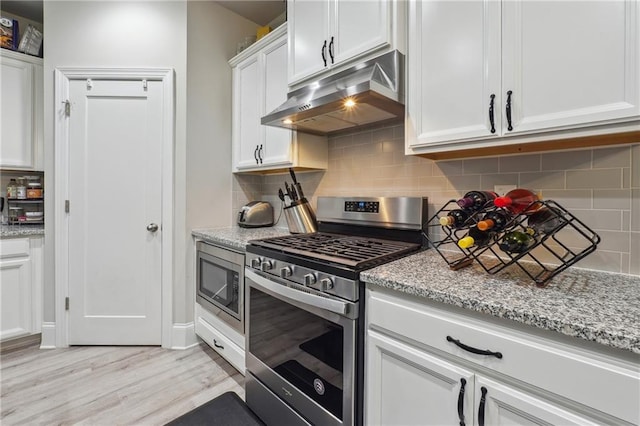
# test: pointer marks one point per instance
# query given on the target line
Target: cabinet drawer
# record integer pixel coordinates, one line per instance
(221, 344)
(572, 372)
(18, 247)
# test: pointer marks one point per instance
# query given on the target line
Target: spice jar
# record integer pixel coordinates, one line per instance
(16, 214)
(12, 189)
(34, 190)
(21, 189)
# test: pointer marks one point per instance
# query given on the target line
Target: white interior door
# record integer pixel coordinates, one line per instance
(114, 189)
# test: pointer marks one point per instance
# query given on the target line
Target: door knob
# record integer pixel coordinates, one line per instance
(152, 227)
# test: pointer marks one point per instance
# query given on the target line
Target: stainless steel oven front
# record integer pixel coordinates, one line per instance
(220, 281)
(301, 353)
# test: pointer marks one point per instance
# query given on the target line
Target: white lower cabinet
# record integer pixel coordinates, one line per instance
(21, 265)
(222, 338)
(416, 376)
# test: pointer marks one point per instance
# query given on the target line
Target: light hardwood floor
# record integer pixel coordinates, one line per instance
(106, 385)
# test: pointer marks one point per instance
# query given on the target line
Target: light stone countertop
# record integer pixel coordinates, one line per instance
(590, 305)
(594, 306)
(13, 231)
(235, 237)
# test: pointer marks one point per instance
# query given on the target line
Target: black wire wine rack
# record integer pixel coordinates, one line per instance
(565, 243)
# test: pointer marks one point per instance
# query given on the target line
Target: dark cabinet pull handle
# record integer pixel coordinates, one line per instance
(510, 128)
(331, 49)
(324, 54)
(215, 343)
(493, 124)
(474, 350)
(255, 155)
(463, 383)
(260, 153)
(483, 401)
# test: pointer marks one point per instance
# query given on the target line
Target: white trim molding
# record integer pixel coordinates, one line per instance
(48, 336)
(184, 336)
(63, 76)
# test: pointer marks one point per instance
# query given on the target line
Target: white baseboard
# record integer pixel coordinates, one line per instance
(183, 336)
(48, 339)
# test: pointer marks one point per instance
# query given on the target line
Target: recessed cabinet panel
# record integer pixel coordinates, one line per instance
(247, 112)
(570, 63)
(308, 26)
(360, 26)
(17, 114)
(453, 73)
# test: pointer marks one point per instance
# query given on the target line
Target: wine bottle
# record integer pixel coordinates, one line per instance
(475, 237)
(518, 201)
(545, 220)
(516, 242)
(455, 219)
(495, 220)
(476, 200)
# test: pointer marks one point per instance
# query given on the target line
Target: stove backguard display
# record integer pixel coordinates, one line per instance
(362, 206)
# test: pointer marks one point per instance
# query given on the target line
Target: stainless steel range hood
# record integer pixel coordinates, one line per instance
(375, 89)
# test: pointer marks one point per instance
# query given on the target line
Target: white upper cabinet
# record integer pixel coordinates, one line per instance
(259, 87)
(488, 73)
(22, 108)
(324, 35)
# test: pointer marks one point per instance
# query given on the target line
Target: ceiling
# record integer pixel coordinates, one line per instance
(259, 11)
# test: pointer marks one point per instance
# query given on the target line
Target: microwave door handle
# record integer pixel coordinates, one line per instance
(335, 306)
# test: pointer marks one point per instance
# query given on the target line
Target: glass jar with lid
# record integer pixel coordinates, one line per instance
(21, 189)
(12, 189)
(16, 214)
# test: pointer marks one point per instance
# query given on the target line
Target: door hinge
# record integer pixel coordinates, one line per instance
(66, 303)
(67, 108)
(66, 206)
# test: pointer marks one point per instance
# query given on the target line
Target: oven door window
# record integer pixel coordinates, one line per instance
(303, 348)
(219, 283)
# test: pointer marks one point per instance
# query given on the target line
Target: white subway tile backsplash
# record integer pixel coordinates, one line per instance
(596, 178)
(570, 160)
(593, 184)
(520, 163)
(604, 158)
(480, 165)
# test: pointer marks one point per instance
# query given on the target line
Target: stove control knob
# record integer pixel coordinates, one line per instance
(326, 284)
(266, 265)
(309, 280)
(255, 263)
(286, 272)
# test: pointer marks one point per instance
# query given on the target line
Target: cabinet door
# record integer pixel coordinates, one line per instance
(359, 27)
(498, 404)
(308, 22)
(277, 141)
(17, 114)
(570, 63)
(15, 288)
(246, 112)
(453, 71)
(406, 386)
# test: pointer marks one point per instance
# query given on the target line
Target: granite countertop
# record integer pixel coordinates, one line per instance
(12, 231)
(235, 237)
(595, 306)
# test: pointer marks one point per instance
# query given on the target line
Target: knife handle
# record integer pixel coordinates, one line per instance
(293, 175)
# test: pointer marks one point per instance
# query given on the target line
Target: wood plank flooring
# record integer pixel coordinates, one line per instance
(101, 385)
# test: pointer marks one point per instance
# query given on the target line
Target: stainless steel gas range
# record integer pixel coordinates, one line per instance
(305, 308)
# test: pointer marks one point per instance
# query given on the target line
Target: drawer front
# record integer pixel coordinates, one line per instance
(221, 344)
(18, 247)
(572, 372)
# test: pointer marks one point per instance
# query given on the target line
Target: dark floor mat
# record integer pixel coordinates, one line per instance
(327, 348)
(225, 410)
(308, 382)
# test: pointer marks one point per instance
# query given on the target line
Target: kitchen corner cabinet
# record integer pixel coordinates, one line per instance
(259, 87)
(326, 34)
(22, 146)
(490, 73)
(21, 280)
(416, 375)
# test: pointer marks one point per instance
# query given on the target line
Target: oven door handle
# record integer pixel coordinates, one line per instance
(332, 305)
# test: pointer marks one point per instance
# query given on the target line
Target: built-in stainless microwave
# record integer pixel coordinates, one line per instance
(220, 283)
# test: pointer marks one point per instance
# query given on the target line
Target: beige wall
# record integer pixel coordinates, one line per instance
(599, 186)
(212, 37)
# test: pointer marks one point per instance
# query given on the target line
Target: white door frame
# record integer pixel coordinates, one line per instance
(63, 76)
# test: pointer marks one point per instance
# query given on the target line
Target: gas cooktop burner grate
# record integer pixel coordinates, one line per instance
(355, 252)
